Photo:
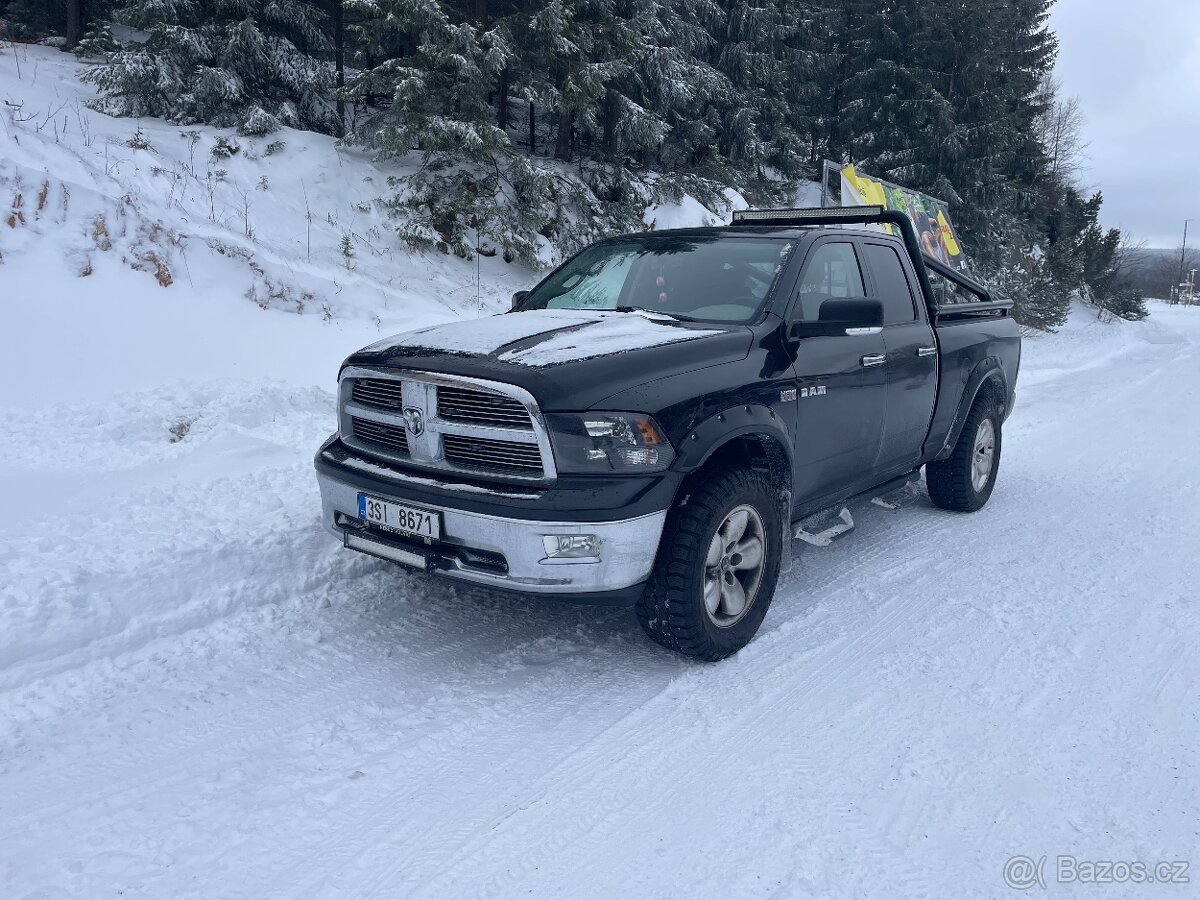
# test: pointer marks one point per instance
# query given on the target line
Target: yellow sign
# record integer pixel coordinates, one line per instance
(930, 216)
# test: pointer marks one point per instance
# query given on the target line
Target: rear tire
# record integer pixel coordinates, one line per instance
(717, 566)
(964, 481)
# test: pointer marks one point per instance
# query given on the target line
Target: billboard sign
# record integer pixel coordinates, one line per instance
(930, 216)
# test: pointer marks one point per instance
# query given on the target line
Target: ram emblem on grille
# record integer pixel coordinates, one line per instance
(414, 420)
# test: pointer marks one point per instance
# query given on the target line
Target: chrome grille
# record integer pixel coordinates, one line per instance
(485, 453)
(469, 405)
(444, 423)
(391, 436)
(378, 392)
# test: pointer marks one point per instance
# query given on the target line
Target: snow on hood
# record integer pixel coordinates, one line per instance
(547, 337)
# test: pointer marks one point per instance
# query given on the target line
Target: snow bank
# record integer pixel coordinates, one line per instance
(1087, 342)
(155, 253)
(154, 513)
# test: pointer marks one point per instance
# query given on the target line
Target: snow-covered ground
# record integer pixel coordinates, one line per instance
(202, 695)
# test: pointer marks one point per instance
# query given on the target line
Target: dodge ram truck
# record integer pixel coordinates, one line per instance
(657, 420)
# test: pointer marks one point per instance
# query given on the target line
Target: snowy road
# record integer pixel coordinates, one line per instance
(202, 696)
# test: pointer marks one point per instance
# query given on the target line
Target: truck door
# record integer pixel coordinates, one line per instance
(840, 380)
(912, 358)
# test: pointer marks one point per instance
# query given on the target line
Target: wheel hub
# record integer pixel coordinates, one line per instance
(983, 455)
(734, 566)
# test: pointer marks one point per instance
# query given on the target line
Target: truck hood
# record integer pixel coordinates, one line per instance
(569, 359)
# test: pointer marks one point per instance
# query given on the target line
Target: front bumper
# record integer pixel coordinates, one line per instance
(473, 542)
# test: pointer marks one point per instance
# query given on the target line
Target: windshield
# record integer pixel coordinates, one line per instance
(707, 278)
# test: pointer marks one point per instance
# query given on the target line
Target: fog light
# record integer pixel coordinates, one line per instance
(571, 546)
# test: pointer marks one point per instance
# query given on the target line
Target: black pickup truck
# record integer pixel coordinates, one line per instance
(656, 420)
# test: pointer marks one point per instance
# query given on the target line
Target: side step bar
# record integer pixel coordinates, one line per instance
(843, 525)
(895, 493)
(823, 528)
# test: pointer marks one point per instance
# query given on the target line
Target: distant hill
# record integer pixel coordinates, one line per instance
(1155, 270)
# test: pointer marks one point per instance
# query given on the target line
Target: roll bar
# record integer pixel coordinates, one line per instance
(873, 215)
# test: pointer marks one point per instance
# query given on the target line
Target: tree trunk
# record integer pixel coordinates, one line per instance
(502, 101)
(532, 130)
(339, 64)
(562, 145)
(610, 123)
(74, 23)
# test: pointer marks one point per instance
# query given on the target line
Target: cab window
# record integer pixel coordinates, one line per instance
(832, 271)
(891, 284)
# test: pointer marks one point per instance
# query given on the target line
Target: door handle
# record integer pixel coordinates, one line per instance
(926, 351)
(869, 361)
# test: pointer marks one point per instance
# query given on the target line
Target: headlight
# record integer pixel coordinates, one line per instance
(608, 441)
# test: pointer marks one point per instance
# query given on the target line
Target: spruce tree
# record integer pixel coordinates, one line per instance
(253, 64)
(429, 93)
(584, 56)
(674, 76)
(33, 18)
(755, 51)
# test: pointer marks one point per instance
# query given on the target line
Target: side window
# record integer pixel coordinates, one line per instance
(948, 293)
(891, 284)
(942, 293)
(832, 271)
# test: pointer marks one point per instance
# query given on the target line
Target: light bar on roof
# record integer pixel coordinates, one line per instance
(829, 213)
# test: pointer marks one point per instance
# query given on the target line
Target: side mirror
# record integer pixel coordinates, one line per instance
(517, 298)
(839, 317)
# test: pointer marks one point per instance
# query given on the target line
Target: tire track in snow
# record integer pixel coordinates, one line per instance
(531, 776)
(108, 560)
(461, 795)
(578, 782)
(630, 722)
(245, 726)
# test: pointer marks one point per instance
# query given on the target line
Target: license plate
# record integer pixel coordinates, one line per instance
(400, 517)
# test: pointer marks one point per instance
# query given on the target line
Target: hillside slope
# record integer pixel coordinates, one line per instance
(169, 262)
(164, 245)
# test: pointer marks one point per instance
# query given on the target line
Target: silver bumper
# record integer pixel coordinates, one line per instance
(627, 546)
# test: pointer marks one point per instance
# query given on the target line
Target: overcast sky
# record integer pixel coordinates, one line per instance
(1135, 67)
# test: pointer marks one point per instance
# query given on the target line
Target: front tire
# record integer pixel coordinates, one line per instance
(964, 481)
(717, 567)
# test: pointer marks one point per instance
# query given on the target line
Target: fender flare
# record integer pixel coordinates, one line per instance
(713, 433)
(987, 371)
(745, 420)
